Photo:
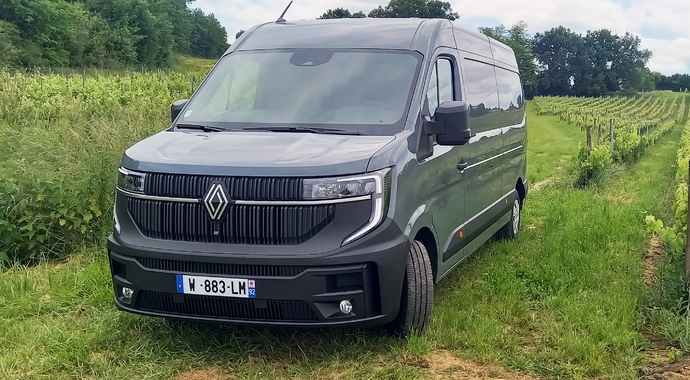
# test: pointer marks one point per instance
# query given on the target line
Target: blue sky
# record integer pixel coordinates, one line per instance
(662, 25)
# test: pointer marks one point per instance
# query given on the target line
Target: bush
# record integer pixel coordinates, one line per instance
(626, 147)
(63, 143)
(593, 167)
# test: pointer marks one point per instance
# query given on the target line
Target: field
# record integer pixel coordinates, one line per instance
(585, 292)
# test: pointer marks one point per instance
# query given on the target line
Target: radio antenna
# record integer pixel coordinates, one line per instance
(281, 19)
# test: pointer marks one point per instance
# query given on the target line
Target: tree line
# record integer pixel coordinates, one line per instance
(105, 33)
(557, 61)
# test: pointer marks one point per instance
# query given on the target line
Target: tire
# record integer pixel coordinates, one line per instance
(417, 295)
(511, 229)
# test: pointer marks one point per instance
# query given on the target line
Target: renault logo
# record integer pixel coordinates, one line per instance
(216, 201)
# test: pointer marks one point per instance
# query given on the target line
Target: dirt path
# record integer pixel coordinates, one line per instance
(444, 365)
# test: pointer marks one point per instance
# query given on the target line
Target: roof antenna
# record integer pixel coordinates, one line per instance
(281, 19)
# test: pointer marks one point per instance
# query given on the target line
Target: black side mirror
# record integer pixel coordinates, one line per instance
(176, 107)
(451, 125)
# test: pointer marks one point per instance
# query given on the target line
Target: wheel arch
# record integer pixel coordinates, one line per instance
(522, 191)
(428, 239)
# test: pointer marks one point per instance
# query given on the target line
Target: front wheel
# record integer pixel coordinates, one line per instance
(417, 295)
(511, 229)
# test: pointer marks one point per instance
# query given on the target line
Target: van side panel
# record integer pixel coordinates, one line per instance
(503, 54)
(482, 177)
(472, 42)
(514, 132)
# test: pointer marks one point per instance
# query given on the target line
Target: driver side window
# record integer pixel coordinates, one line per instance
(440, 85)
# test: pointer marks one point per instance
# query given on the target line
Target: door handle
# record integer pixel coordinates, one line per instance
(462, 165)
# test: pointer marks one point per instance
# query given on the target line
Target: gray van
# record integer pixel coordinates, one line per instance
(325, 173)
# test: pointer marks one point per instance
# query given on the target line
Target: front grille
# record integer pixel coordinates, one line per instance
(224, 269)
(225, 308)
(243, 224)
(244, 188)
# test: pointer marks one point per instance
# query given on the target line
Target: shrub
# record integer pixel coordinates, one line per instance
(63, 143)
(591, 168)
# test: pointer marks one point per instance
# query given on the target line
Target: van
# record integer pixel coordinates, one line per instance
(324, 173)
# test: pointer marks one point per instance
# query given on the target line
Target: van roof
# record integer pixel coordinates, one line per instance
(334, 33)
(369, 33)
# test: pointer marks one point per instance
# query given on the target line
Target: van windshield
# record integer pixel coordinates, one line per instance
(367, 91)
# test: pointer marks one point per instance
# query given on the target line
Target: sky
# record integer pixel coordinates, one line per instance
(662, 25)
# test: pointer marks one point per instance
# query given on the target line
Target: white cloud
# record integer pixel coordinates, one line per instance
(661, 24)
(670, 56)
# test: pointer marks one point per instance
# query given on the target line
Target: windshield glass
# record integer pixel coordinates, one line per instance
(355, 90)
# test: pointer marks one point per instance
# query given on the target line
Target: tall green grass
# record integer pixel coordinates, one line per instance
(62, 139)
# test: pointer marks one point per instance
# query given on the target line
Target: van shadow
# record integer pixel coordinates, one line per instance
(217, 343)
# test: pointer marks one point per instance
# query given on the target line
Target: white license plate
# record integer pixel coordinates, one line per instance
(216, 286)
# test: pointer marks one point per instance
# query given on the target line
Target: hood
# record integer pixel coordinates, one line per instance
(253, 153)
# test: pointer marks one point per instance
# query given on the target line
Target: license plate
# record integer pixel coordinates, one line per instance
(216, 286)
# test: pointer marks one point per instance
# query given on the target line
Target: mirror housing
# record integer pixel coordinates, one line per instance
(176, 107)
(451, 124)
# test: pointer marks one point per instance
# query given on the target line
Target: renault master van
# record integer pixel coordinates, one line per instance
(325, 173)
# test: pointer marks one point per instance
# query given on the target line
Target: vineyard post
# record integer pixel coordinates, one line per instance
(83, 79)
(687, 236)
(589, 140)
(611, 126)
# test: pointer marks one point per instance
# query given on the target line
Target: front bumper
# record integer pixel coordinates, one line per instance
(295, 291)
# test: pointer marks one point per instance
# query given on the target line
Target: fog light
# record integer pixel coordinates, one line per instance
(127, 292)
(345, 307)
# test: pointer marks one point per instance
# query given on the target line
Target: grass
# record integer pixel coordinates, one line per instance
(563, 300)
(184, 63)
(552, 146)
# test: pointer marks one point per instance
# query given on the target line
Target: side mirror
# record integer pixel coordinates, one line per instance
(176, 107)
(451, 125)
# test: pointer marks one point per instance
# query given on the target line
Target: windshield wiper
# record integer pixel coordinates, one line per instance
(205, 128)
(295, 129)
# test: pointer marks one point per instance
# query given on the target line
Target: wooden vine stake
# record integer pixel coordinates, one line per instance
(611, 126)
(589, 140)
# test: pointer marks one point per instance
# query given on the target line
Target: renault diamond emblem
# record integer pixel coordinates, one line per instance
(216, 201)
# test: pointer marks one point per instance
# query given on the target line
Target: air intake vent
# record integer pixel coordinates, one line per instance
(224, 269)
(225, 308)
(244, 224)
(239, 188)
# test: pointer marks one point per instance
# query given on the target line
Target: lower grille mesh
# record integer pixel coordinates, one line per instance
(225, 308)
(225, 269)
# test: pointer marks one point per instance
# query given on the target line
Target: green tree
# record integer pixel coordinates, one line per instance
(594, 65)
(110, 33)
(415, 8)
(209, 38)
(647, 82)
(341, 13)
(559, 54)
(9, 44)
(517, 38)
(629, 61)
(598, 77)
(47, 28)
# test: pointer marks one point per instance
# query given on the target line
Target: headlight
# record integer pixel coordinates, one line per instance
(376, 184)
(130, 181)
(335, 188)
